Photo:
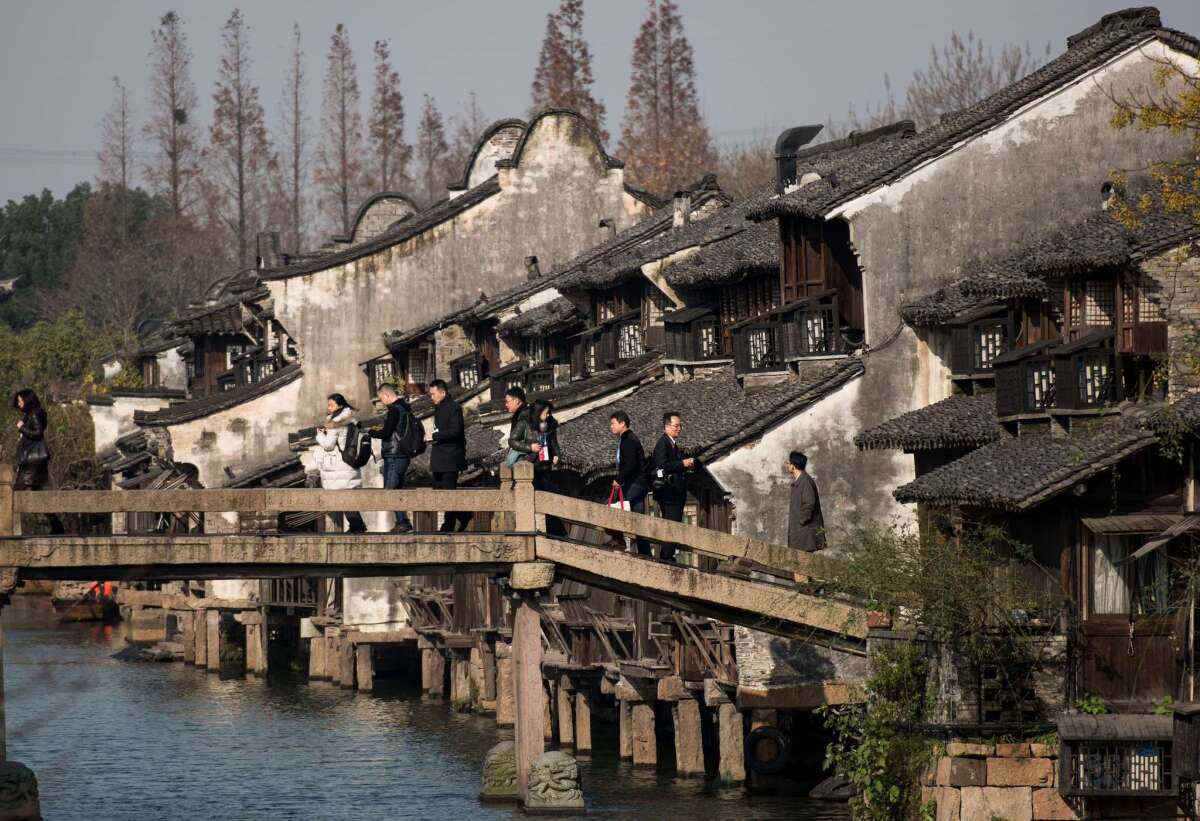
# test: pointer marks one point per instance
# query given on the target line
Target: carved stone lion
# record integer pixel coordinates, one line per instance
(18, 793)
(554, 783)
(499, 781)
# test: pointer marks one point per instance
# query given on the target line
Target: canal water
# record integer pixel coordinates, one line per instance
(147, 742)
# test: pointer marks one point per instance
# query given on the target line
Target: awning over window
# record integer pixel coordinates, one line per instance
(1130, 525)
(1187, 524)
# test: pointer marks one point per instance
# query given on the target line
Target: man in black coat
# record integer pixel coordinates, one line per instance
(668, 475)
(449, 452)
(806, 524)
(631, 469)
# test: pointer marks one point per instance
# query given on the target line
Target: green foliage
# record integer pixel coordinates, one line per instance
(871, 748)
(1091, 705)
(1166, 707)
(38, 239)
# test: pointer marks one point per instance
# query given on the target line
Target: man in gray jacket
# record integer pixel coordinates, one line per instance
(806, 525)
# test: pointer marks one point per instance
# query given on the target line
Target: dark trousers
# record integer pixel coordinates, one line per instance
(672, 511)
(543, 479)
(36, 476)
(635, 494)
(455, 519)
(394, 468)
(353, 518)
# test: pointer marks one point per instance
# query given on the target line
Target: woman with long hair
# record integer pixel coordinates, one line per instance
(336, 474)
(33, 453)
(544, 430)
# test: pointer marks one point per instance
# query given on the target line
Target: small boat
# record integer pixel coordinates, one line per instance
(85, 601)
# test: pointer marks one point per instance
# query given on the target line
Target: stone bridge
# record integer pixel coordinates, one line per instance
(531, 559)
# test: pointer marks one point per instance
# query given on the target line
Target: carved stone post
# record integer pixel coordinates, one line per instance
(527, 582)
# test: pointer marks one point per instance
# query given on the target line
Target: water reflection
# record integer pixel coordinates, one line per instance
(111, 739)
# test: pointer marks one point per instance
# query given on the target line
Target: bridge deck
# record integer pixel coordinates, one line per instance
(756, 603)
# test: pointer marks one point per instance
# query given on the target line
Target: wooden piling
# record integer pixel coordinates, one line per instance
(689, 739)
(566, 715)
(316, 658)
(527, 677)
(364, 663)
(645, 745)
(731, 768)
(213, 640)
(583, 722)
(625, 729)
(505, 708)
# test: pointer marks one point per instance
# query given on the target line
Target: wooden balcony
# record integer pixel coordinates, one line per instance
(798, 330)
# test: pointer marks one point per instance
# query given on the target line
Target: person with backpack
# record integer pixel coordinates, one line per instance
(337, 450)
(403, 438)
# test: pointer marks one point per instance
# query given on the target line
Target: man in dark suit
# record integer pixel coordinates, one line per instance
(449, 452)
(631, 469)
(806, 525)
(668, 476)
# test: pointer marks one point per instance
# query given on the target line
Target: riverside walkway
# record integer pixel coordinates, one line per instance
(531, 559)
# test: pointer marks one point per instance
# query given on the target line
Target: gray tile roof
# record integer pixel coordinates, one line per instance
(750, 249)
(218, 400)
(1019, 473)
(555, 315)
(855, 171)
(1096, 243)
(955, 422)
(708, 433)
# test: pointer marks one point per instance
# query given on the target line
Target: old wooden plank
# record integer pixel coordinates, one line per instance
(760, 602)
(712, 542)
(255, 556)
(800, 697)
(260, 499)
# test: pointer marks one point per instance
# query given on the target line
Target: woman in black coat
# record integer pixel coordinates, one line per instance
(543, 428)
(33, 454)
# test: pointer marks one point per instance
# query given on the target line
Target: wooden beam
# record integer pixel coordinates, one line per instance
(712, 542)
(801, 697)
(230, 556)
(751, 603)
(529, 732)
(251, 500)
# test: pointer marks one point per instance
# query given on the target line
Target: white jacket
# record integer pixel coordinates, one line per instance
(335, 473)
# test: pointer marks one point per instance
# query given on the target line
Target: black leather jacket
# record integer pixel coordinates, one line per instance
(32, 444)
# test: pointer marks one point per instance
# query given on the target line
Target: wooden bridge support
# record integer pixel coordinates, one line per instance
(566, 713)
(583, 722)
(689, 738)
(625, 729)
(644, 741)
(505, 706)
(528, 583)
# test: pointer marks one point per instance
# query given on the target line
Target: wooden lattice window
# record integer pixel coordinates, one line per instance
(629, 341)
(990, 340)
(1098, 298)
(466, 375)
(708, 339)
(1039, 385)
(746, 300)
(535, 349)
(1094, 376)
(384, 371)
(761, 343)
(1099, 767)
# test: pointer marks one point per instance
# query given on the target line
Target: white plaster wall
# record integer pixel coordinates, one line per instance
(756, 478)
(373, 604)
(234, 588)
(109, 422)
(242, 436)
(172, 370)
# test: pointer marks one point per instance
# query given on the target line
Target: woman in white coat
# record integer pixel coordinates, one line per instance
(331, 441)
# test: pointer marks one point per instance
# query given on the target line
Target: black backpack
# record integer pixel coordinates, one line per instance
(357, 450)
(412, 440)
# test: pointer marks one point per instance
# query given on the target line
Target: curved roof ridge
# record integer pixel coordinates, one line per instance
(515, 160)
(489, 132)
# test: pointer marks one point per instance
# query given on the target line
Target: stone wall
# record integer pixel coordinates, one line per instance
(981, 782)
(1175, 277)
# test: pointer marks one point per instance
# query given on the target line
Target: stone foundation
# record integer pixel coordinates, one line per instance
(979, 782)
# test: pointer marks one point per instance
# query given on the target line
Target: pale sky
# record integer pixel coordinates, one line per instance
(762, 65)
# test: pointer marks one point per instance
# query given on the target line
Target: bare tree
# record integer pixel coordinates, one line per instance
(664, 141)
(240, 153)
(173, 162)
(116, 140)
(563, 77)
(432, 151)
(339, 156)
(746, 167)
(389, 154)
(963, 74)
(294, 146)
(467, 126)
(960, 75)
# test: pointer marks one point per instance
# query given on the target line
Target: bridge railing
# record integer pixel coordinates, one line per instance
(515, 496)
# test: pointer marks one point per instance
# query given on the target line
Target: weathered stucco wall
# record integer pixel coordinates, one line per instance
(112, 421)
(242, 435)
(373, 605)
(1037, 173)
(172, 370)
(1175, 275)
(549, 205)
